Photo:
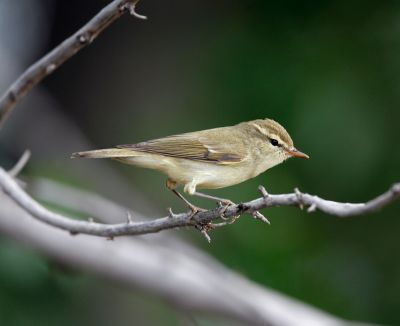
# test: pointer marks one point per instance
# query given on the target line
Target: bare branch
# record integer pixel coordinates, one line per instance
(192, 280)
(64, 51)
(12, 188)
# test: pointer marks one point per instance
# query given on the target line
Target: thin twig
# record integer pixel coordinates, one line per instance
(131, 6)
(205, 234)
(17, 168)
(129, 217)
(10, 187)
(258, 216)
(61, 53)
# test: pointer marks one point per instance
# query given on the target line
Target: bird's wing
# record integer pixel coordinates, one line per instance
(191, 147)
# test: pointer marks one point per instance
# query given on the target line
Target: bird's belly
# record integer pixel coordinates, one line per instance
(205, 175)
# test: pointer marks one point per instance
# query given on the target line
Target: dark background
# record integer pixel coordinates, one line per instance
(328, 71)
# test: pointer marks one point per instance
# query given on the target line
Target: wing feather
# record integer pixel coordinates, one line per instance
(188, 146)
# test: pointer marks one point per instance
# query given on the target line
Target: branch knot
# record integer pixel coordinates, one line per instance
(396, 189)
(299, 197)
(50, 68)
(85, 38)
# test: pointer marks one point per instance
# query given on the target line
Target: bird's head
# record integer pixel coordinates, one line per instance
(277, 143)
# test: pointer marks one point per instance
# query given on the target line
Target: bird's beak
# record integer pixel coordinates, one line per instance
(296, 153)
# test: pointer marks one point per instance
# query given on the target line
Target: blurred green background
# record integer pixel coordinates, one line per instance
(328, 71)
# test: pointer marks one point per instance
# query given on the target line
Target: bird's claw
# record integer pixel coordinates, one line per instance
(194, 210)
(223, 206)
(226, 202)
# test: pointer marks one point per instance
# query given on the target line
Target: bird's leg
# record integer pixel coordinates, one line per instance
(225, 202)
(171, 186)
(192, 207)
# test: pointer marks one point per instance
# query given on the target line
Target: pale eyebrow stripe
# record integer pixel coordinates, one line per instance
(274, 136)
(261, 130)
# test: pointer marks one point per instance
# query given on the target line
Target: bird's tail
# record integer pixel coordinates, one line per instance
(105, 153)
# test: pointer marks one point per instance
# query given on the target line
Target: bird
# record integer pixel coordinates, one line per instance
(208, 159)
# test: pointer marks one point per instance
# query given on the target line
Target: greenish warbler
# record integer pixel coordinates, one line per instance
(210, 159)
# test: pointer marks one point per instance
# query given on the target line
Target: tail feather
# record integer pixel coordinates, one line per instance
(105, 153)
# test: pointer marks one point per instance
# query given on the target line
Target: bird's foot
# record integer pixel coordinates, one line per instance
(227, 221)
(194, 210)
(224, 204)
(220, 201)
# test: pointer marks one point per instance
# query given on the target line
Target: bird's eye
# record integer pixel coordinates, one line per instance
(274, 142)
